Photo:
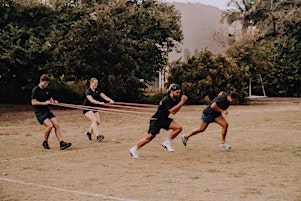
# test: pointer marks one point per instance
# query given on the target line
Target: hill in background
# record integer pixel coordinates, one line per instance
(199, 23)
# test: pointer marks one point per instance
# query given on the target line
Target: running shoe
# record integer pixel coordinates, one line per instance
(45, 145)
(133, 152)
(64, 145)
(167, 146)
(225, 146)
(89, 135)
(100, 137)
(184, 140)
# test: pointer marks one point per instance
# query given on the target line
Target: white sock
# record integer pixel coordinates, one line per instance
(168, 140)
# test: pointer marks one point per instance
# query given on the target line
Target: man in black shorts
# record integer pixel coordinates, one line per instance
(171, 103)
(40, 99)
(213, 113)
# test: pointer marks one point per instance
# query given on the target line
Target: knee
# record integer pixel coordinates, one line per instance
(49, 127)
(56, 126)
(179, 128)
(95, 123)
(200, 130)
(225, 126)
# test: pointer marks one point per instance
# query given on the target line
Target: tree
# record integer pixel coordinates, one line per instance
(203, 76)
(120, 43)
(23, 47)
(244, 11)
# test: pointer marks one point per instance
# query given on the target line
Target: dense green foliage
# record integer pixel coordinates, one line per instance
(118, 42)
(272, 45)
(203, 76)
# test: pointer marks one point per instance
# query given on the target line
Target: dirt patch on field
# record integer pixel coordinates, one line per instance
(264, 162)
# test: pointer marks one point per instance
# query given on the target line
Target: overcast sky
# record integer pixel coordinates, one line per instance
(221, 4)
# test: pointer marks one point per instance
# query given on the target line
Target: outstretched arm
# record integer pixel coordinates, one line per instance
(92, 100)
(105, 97)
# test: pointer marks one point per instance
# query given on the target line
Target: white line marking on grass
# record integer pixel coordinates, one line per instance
(66, 190)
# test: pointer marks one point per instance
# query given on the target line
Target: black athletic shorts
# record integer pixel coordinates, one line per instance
(41, 117)
(156, 125)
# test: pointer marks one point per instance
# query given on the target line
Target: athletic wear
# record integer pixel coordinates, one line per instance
(95, 95)
(184, 140)
(41, 95)
(41, 117)
(161, 116)
(133, 152)
(100, 137)
(64, 145)
(211, 114)
(45, 145)
(225, 146)
(89, 135)
(42, 112)
(167, 145)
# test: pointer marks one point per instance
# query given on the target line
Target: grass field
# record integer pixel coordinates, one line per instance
(263, 164)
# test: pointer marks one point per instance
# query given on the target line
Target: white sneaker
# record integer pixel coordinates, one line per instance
(167, 146)
(225, 146)
(133, 152)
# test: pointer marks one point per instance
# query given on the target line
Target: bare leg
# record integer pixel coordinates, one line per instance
(176, 129)
(48, 125)
(94, 118)
(57, 128)
(147, 139)
(224, 124)
(200, 129)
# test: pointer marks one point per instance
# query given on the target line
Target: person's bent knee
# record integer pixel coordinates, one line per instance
(94, 123)
(180, 128)
(226, 125)
(49, 126)
(57, 126)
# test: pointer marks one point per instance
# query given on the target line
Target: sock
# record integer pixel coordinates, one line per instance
(168, 140)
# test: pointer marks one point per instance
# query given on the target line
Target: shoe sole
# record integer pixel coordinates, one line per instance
(183, 141)
(166, 148)
(225, 147)
(89, 135)
(133, 155)
(65, 147)
(100, 138)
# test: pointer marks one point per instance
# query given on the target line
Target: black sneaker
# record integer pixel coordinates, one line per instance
(89, 135)
(100, 137)
(45, 145)
(64, 145)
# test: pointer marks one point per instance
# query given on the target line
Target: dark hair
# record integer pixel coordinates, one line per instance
(233, 94)
(173, 87)
(44, 77)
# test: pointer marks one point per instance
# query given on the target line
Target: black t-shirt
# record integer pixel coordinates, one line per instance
(41, 95)
(221, 101)
(165, 104)
(95, 95)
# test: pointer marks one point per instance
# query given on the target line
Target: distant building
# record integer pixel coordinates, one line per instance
(201, 29)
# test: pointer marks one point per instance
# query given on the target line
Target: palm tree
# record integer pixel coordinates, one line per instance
(244, 11)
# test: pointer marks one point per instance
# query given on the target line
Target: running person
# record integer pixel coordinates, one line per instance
(40, 99)
(171, 103)
(94, 98)
(213, 113)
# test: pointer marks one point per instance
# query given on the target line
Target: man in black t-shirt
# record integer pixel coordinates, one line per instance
(171, 103)
(40, 99)
(213, 113)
